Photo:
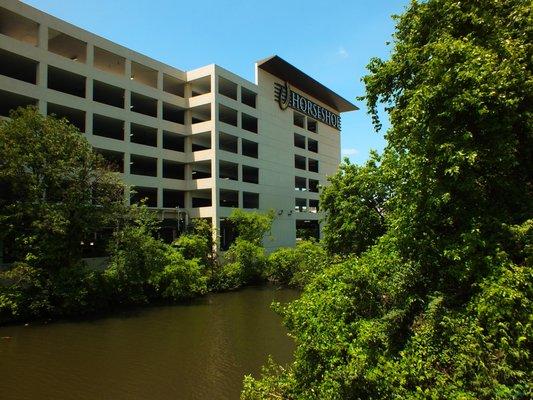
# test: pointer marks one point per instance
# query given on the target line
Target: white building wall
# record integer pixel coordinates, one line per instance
(275, 136)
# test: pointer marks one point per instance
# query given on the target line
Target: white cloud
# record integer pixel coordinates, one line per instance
(342, 53)
(349, 152)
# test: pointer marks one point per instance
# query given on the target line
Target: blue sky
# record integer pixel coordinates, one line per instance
(330, 40)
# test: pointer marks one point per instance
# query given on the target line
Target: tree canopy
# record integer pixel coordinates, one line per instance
(56, 192)
(440, 306)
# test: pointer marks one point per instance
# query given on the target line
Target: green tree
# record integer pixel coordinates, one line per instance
(198, 243)
(296, 266)
(251, 226)
(355, 206)
(56, 192)
(439, 307)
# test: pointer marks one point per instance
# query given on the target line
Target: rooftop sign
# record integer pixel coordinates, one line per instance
(289, 98)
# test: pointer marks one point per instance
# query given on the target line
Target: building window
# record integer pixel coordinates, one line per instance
(299, 120)
(75, 117)
(300, 184)
(313, 206)
(113, 159)
(108, 94)
(228, 170)
(10, 101)
(141, 165)
(108, 127)
(228, 143)
(250, 149)
(173, 113)
(18, 67)
(249, 123)
(109, 62)
(313, 185)
(313, 165)
(173, 170)
(173, 141)
(299, 162)
(67, 46)
(312, 145)
(311, 125)
(66, 82)
(200, 86)
(227, 115)
(143, 74)
(250, 200)
(250, 174)
(227, 88)
(299, 141)
(149, 195)
(142, 134)
(143, 104)
(229, 198)
(300, 205)
(248, 97)
(173, 198)
(18, 27)
(173, 85)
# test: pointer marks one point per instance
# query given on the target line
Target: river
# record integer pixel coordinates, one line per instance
(196, 351)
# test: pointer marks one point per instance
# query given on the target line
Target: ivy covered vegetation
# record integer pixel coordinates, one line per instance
(429, 287)
(56, 194)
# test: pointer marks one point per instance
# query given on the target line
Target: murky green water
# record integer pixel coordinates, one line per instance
(198, 351)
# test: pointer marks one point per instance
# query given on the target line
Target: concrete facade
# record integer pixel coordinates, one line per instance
(194, 143)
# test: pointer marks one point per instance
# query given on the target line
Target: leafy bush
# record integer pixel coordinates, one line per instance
(24, 293)
(135, 255)
(229, 276)
(296, 266)
(251, 226)
(251, 259)
(198, 243)
(180, 278)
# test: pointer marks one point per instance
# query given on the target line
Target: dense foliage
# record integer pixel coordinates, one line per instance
(296, 266)
(355, 206)
(55, 192)
(440, 306)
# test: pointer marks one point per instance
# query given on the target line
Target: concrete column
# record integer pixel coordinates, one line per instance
(127, 68)
(159, 167)
(159, 109)
(187, 145)
(160, 80)
(159, 197)
(187, 91)
(187, 119)
(88, 123)
(127, 161)
(127, 100)
(159, 138)
(127, 132)
(89, 91)
(42, 82)
(43, 37)
(90, 55)
(187, 171)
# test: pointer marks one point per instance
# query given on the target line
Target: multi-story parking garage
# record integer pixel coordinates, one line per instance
(193, 143)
